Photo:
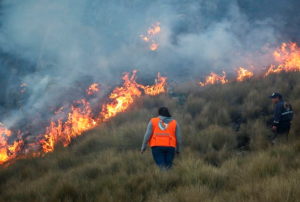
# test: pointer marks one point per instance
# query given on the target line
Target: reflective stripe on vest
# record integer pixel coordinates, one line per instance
(288, 112)
(163, 134)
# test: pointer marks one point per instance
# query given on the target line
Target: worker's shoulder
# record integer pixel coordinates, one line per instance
(280, 103)
(175, 121)
(285, 103)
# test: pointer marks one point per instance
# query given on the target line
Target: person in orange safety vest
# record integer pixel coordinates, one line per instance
(163, 136)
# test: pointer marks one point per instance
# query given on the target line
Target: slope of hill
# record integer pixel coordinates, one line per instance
(226, 154)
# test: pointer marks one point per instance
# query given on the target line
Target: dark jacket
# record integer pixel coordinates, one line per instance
(282, 112)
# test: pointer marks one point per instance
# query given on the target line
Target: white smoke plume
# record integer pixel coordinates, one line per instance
(60, 47)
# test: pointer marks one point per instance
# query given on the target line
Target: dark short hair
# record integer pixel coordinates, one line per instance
(163, 111)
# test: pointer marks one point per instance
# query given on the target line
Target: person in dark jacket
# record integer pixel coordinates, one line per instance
(163, 136)
(283, 114)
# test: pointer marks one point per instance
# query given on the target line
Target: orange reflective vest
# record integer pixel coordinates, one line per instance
(163, 134)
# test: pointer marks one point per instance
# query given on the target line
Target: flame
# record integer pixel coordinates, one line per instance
(151, 33)
(156, 89)
(79, 119)
(288, 57)
(92, 89)
(214, 78)
(122, 97)
(7, 151)
(153, 46)
(52, 135)
(242, 73)
(4, 134)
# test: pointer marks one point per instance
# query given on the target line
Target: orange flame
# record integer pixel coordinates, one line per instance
(288, 57)
(7, 151)
(151, 32)
(242, 73)
(80, 119)
(153, 46)
(4, 134)
(92, 89)
(121, 97)
(156, 89)
(214, 78)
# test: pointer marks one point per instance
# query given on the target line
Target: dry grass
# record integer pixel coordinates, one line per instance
(217, 162)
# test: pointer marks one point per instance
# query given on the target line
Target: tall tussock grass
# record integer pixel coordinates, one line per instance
(226, 152)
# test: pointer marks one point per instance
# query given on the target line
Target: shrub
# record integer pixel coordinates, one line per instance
(213, 138)
(254, 104)
(259, 135)
(214, 113)
(193, 105)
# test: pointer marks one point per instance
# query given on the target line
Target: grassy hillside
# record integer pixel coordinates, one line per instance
(226, 155)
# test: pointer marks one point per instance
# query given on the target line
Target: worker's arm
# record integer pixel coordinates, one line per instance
(178, 138)
(147, 136)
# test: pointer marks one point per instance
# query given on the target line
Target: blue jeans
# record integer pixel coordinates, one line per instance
(163, 156)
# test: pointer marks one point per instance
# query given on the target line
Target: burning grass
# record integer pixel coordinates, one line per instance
(79, 119)
(104, 164)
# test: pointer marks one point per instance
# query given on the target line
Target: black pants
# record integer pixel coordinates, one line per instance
(283, 127)
(282, 131)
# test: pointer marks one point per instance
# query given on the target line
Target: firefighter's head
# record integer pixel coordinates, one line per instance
(163, 111)
(275, 97)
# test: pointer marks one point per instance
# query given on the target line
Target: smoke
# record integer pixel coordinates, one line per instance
(63, 46)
